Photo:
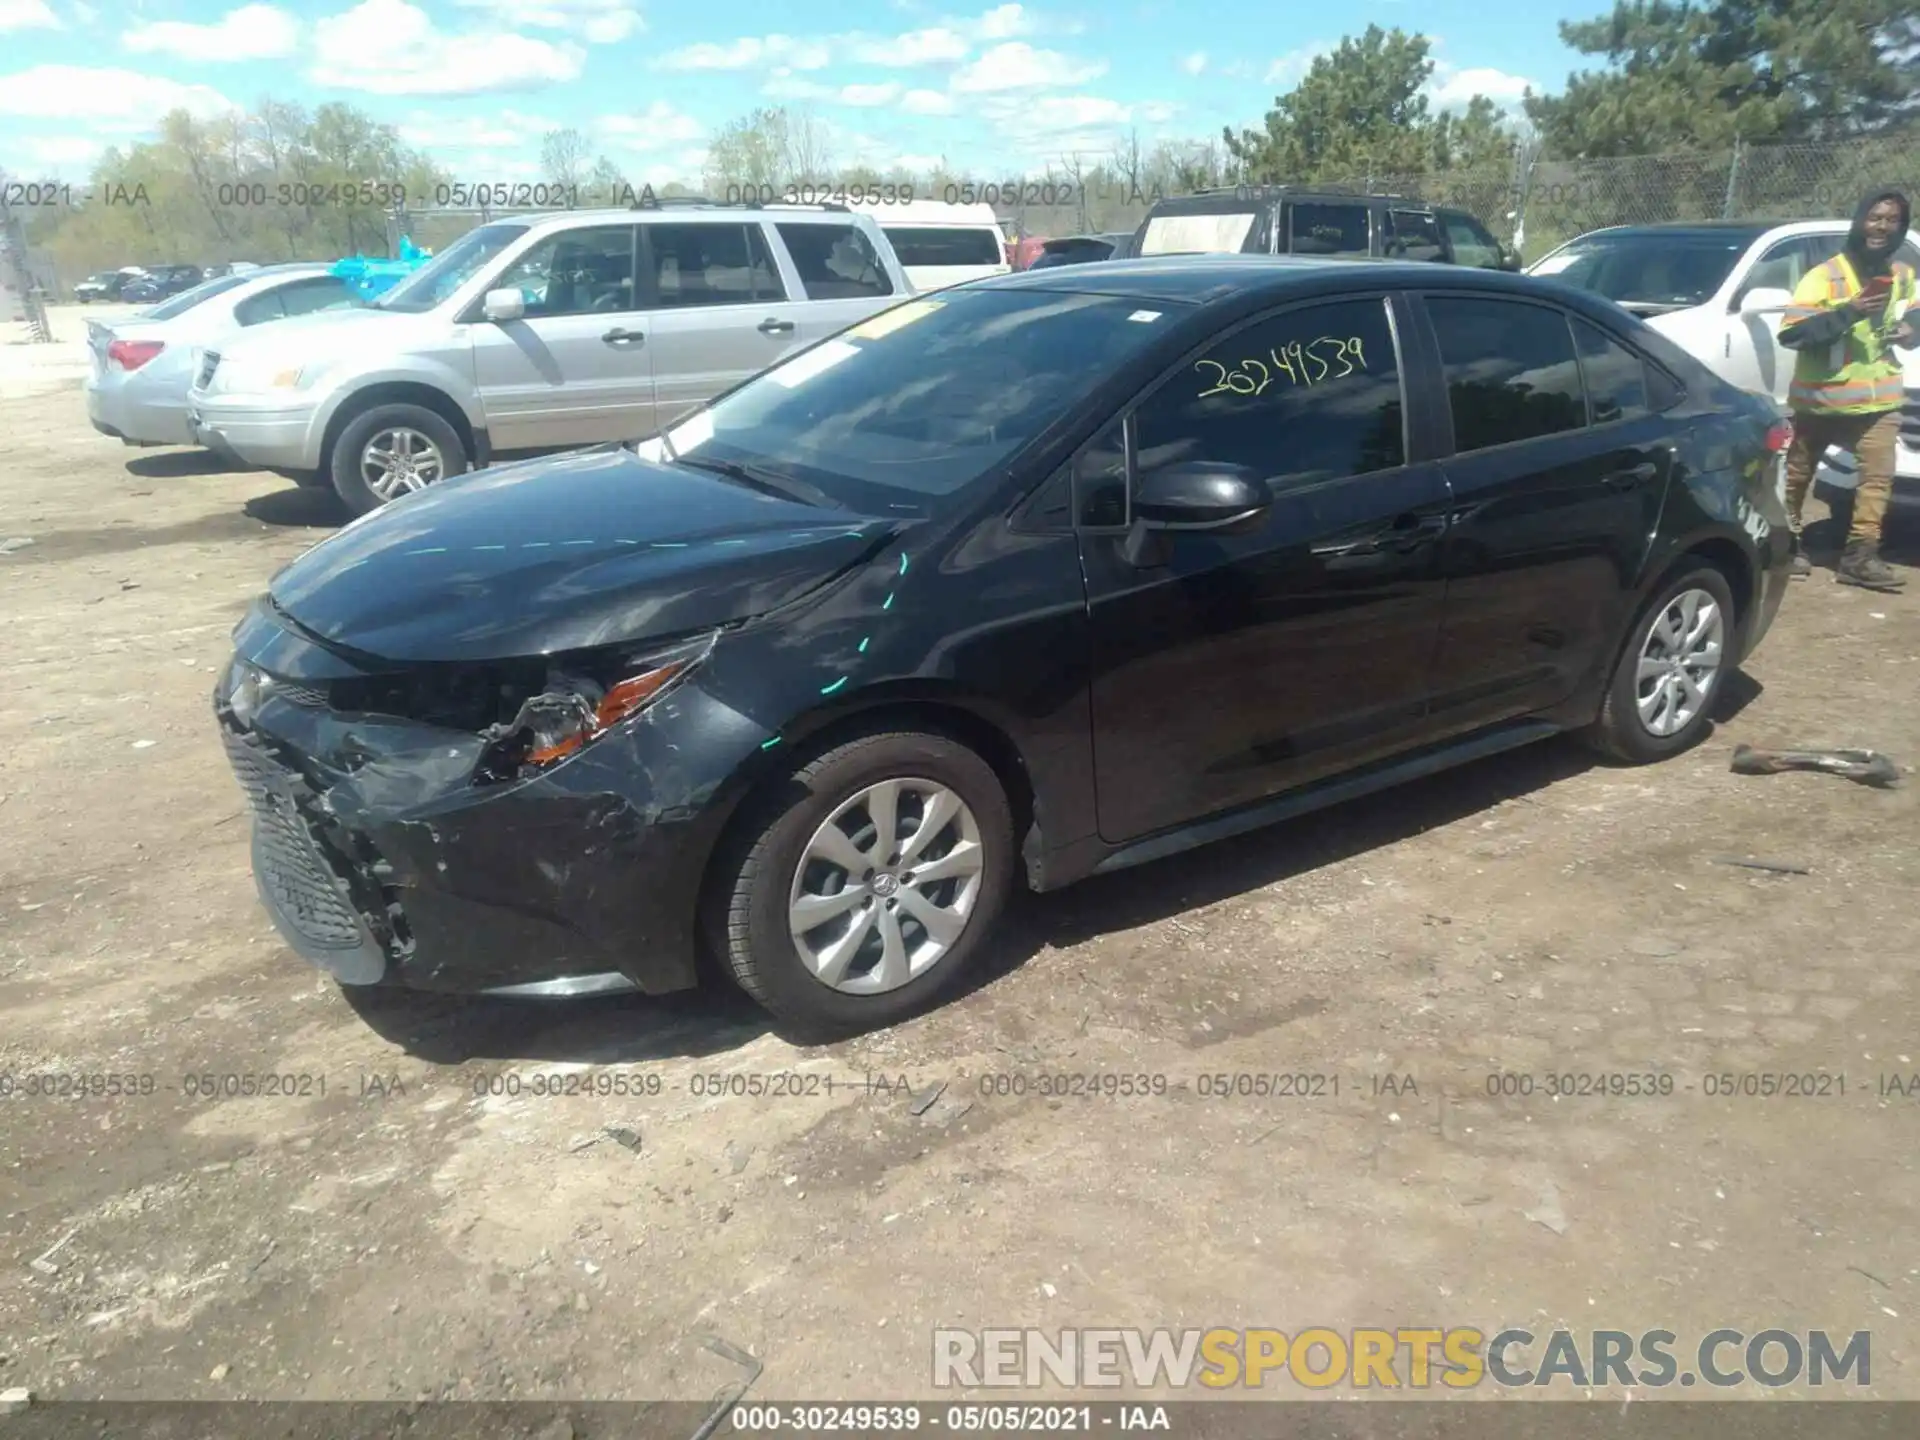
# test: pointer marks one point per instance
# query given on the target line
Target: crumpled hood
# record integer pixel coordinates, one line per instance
(590, 548)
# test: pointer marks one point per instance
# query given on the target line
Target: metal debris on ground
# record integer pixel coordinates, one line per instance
(1867, 767)
(626, 1136)
(13, 543)
(925, 1102)
(1772, 867)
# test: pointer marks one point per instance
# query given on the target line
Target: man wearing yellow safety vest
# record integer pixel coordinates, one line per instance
(1847, 316)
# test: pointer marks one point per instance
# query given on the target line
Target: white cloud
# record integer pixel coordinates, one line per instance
(1292, 67)
(27, 15)
(783, 84)
(1018, 66)
(600, 22)
(1451, 88)
(497, 130)
(913, 165)
(936, 46)
(45, 155)
(749, 54)
(84, 13)
(389, 47)
(885, 93)
(253, 32)
(655, 128)
(1195, 62)
(493, 164)
(927, 102)
(1003, 23)
(120, 102)
(1158, 112)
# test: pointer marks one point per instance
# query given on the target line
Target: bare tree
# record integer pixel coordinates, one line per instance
(807, 154)
(565, 157)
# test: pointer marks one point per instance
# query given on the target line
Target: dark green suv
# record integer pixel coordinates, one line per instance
(1300, 220)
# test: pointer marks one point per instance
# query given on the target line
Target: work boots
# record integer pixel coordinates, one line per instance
(1861, 565)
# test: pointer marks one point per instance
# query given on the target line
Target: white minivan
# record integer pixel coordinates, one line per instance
(940, 244)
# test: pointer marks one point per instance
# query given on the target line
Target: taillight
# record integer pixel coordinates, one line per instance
(132, 354)
(1779, 436)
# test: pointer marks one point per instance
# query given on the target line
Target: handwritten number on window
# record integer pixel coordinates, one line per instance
(1324, 358)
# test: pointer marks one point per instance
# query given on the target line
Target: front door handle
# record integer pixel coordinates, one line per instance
(770, 326)
(1627, 479)
(618, 336)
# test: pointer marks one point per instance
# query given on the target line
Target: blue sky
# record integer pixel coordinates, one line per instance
(995, 89)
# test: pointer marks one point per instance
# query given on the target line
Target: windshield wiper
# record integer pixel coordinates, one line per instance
(768, 482)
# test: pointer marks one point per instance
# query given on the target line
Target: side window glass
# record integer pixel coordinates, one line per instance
(1299, 398)
(1100, 479)
(1616, 378)
(835, 262)
(696, 265)
(1320, 229)
(576, 272)
(323, 293)
(256, 309)
(1412, 235)
(1511, 372)
(1779, 269)
(1471, 246)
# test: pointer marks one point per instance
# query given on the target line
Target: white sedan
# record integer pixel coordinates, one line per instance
(1718, 289)
(143, 365)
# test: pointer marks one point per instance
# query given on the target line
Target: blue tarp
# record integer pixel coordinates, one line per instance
(370, 277)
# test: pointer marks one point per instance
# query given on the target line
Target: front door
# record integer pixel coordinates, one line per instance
(1554, 505)
(839, 276)
(576, 368)
(722, 311)
(1751, 355)
(1247, 664)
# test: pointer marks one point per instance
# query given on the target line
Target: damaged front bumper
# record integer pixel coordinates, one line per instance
(381, 860)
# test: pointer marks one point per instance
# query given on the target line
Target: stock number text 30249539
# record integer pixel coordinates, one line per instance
(1326, 357)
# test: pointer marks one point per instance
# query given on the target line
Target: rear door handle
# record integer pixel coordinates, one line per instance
(771, 326)
(1410, 532)
(1639, 475)
(617, 336)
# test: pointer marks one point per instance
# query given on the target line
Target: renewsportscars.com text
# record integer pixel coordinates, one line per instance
(1404, 1357)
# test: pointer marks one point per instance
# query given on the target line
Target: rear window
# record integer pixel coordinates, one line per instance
(945, 245)
(1198, 234)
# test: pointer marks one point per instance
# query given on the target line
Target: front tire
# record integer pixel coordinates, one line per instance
(1678, 652)
(392, 450)
(865, 886)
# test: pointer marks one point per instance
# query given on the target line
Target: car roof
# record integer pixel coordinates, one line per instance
(714, 211)
(1239, 197)
(1711, 229)
(1206, 280)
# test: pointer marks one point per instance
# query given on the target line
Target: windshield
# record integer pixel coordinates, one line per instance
(187, 299)
(1197, 234)
(922, 399)
(1671, 271)
(449, 270)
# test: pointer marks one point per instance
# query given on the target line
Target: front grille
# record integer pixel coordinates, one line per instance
(302, 695)
(209, 362)
(1910, 421)
(291, 867)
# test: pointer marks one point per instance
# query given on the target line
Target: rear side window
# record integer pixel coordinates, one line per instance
(1511, 371)
(1471, 245)
(1324, 229)
(1616, 378)
(187, 299)
(835, 262)
(697, 265)
(1413, 235)
(932, 245)
(299, 297)
(1306, 396)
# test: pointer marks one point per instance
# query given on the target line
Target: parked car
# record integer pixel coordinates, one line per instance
(142, 366)
(817, 675)
(106, 284)
(232, 267)
(540, 332)
(1300, 220)
(1082, 250)
(1719, 290)
(160, 282)
(940, 244)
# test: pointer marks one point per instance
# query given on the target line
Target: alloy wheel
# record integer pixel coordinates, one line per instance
(1679, 663)
(397, 460)
(886, 886)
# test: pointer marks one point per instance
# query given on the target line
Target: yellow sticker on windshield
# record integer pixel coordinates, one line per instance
(888, 321)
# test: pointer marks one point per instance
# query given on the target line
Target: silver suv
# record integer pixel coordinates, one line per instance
(537, 333)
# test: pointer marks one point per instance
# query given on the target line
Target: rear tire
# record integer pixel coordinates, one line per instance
(427, 447)
(780, 870)
(1678, 653)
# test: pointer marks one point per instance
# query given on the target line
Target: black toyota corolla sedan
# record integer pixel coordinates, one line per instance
(1041, 576)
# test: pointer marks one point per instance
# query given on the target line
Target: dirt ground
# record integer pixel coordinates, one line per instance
(409, 1233)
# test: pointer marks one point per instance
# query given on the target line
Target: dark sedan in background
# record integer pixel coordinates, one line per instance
(1083, 250)
(809, 683)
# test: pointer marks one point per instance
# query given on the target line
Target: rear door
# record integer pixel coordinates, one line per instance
(1468, 243)
(841, 275)
(1413, 234)
(576, 368)
(1247, 664)
(721, 309)
(1556, 493)
(1342, 228)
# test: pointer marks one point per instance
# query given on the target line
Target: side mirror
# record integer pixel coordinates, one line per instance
(1766, 301)
(1200, 496)
(506, 304)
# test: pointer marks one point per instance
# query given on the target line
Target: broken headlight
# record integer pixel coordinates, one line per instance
(577, 707)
